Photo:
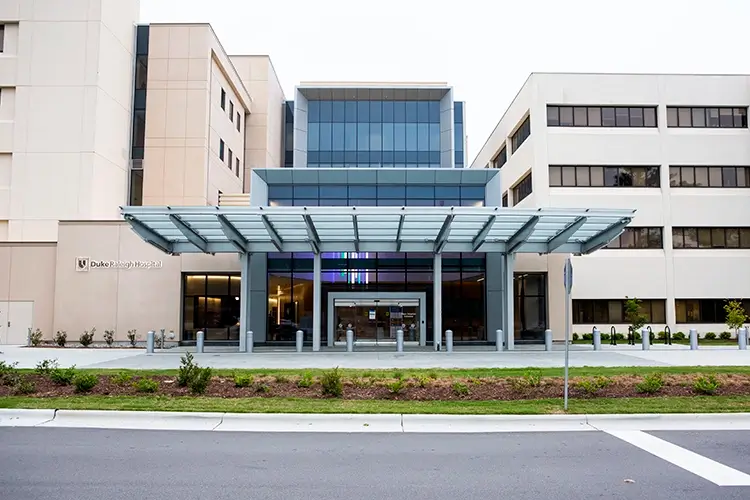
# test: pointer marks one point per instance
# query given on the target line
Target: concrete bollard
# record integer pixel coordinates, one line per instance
(399, 340)
(150, 342)
(645, 339)
(249, 341)
(499, 340)
(742, 338)
(547, 340)
(200, 337)
(300, 339)
(349, 341)
(449, 340)
(693, 339)
(597, 340)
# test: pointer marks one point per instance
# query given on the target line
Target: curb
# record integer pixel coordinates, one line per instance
(11, 417)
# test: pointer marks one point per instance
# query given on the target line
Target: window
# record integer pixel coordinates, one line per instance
(603, 176)
(700, 117)
(505, 199)
(708, 237)
(237, 167)
(231, 110)
(522, 189)
(2, 37)
(638, 237)
(221, 149)
(239, 121)
(520, 135)
(715, 177)
(601, 116)
(500, 159)
(703, 310)
(229, 161)
(223, 99)
(606, 312)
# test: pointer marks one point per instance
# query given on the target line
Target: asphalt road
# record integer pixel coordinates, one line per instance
(83, 464)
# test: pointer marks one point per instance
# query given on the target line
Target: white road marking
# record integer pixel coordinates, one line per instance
(699, 465)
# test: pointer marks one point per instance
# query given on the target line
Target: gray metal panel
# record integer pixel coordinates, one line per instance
(258, 188)
(391, 176)
(446, 131)
(495, 293)
(493, 193)
(258, 314)
(333, 176)
(420, 176)
(448, 176)
(279, 175)
(304, 175)
(300, 130)
(362, 175)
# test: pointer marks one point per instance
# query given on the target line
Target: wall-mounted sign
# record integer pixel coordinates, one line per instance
(372, 314)
(84, 264)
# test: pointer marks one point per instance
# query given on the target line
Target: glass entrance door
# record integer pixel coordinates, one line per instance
(375, 321)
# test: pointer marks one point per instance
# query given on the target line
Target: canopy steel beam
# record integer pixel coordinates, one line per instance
(232, 234)
(565, 234)
(398, 233)
(272, 233)
(312, 233)
(149, 235)
(442, 236)
(478, 240)
(603, 237)
(356, 233)
(522, 235)
(193, 237)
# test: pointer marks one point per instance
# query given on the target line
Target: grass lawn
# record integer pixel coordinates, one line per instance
(697, 404)
(701, 342)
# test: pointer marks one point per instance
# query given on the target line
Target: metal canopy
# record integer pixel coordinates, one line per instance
(177, 230)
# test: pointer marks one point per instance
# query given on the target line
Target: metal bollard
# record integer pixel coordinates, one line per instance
(499, 342)
(597, 339)
(349, 341)
(399, 340)
(449, 341)
(199, 341)
(742, 338)
(645, 339)
(249, 341)
(300, 339)
(693, 339)
(547, 340)
(150, 342)
(613, 336)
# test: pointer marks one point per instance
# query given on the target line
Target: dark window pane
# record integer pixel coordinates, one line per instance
(701, 176)
(654, 237)
(740, 117)
(443, 192)
(579, 117)
(726, 119)
(688, 176)
(398, 192)
(649, 117)
(582, 177)
(475, 192)
(639, 176)
(627, 238)
(326, 111)
(332, 191)
(611, 176)
(691, 237)
(674, 176)
(362, 192)
(622, 117)
(569, 176)
(717, 237)
(745, 237)
(733, 237)
(714, 177)
(608, 117)
(684, 117)
(677, 240)
(636, 117)
(597, 176)
(729, 176)
(653, 177)
(672, 117)
(566, 116)
(712, 117)
(699, 117)
(420, 192)
(553, 116)
(595, 117)
(704, 238)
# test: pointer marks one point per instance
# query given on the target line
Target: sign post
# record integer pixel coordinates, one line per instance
(568, 279)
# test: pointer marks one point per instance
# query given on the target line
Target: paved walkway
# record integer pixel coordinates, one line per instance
(523, 357)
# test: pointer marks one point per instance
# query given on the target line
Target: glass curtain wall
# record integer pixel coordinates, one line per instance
(211, 302)
(373, 134)
(530, 309)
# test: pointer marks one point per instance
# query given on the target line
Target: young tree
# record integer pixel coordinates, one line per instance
(736, 315)
(634, 314)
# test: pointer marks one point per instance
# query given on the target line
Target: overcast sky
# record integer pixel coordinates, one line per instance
(485, 49)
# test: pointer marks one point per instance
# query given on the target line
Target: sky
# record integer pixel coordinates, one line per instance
(484, 49)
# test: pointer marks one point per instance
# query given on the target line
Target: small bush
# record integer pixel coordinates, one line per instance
(433, 375)
(398, 375)
(9, 374)
(460, 389)
(281, 379)
(35, 337)
(243, 380)
(201, 378)
(620, 336)
(576, 336)
(605, 336)
(678, 336)
(661, 335)
(396, 387)
(87, 337)
(637, 336)
(63, 376)
(262, 388)
(109, 337)
(422, 381)
(651, 384)
(122, 378)
(186, 372)
(24, 387)
(707, 385)
(533, 378)
(46, 366)
(710, 336)
(84, 382)
(725, 335)
(588, 336)
(146, 385)
(61, 337)
(331, 383)
(593, 385)
(133, 337)
(361, 382)
(305, 381)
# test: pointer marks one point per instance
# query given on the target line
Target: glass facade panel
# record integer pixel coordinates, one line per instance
(211, 302)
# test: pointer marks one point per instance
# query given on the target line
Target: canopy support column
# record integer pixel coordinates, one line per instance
(437, 299)
(317, 308)
(509, 323)
(244, 299)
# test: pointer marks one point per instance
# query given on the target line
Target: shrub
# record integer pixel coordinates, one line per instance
(398, 375)
(593, 385)
(9, 374)
(24, 387)
(60, 338)
(84, 382)
(243, 380)
(262, 388)
(361, 382)
(122, 378)
(678, 336)
(637, 336)
(133, 337)
(650, 384)
(533, 378)
(186, 372)
(46, 366)
(422, 381)
(725, 335)
(35, 337)
(305, 381)
(396, 387)
(433, 375)
(460, 389)
(281, 379)
(620, 336)
(146, 385)
(661, 335)
(588, 336)
(331, 383)
(710, 336)
(109, 337)
(200, 380)
(575, 336)
(87, 338)
(605, 336)
(63, 376)
(707, 385)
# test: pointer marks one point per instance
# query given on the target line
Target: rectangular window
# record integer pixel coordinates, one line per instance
(500, 159)
(702, 117)
(601, 116)
(638, 237)
(601, 176)
(2, 37)
(223, 99)
(237, 167)
(714, 176)
(239, 121)
(520, 135)
(522, 189)
(703, 310)
(710, 237)
(505, 199)
(231, 110)
(605, 312)
(221, 149)
(229, 161)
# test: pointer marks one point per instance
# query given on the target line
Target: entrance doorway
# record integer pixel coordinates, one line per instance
(375, 318)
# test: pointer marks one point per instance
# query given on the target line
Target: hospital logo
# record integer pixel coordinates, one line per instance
(83, 264)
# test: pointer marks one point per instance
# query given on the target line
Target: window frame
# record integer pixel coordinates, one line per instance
(678, 172)
(522, 189)
(641, 237)
(685, 117)
(223, 99)
(2, 38)
(502, 155)
(221, 149)
(719, 233)
(593, 116)
(599, 311)
(650, 173)
(520, 135)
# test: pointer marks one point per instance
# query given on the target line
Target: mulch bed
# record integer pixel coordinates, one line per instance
(423, 389)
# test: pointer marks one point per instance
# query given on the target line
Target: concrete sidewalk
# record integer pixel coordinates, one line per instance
(521, 358)
(390, 423)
